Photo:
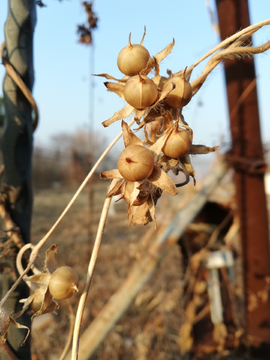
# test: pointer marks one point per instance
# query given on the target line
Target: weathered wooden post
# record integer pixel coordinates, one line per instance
(17, 150)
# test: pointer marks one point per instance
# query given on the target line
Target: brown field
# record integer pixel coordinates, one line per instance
(148, 329)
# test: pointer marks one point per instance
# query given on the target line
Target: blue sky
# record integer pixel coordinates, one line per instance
(63, 67)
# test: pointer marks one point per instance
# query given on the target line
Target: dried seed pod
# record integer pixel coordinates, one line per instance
(63, 282)
(132, 59)
(182, 93)
(140, 92)
(178, 143)
(135, 163)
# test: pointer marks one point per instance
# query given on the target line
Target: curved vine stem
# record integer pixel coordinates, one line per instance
(91, 266)
(75, 196)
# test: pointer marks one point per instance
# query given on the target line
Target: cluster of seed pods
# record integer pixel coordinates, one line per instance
(157, 104)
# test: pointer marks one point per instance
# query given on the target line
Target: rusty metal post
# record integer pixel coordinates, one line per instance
(248, 163)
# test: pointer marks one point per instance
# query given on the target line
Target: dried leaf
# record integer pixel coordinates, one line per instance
(121, 114)
(116, 88)
(129, 137)
(160, 179)
(50, 261)
(20, 326)
(110, 77)
(111, 174)
(201, 149)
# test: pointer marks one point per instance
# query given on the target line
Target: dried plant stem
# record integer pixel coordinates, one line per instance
(91, 266)
(243, 33)
(75, 196)
(70, 334)
(8, 350)
(232, 51)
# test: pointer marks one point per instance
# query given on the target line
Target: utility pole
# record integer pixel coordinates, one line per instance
(248, 164)
(17, 152)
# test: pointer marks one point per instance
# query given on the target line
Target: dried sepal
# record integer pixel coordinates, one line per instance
(151, 206)
(50, 260)
(116, 88)
(121, 114)
(42, 278)
(160, 179)
(201, 149)
(187, 166)
(168, 163)
(111, 174)
(165, 52)
(156, 149)
(153, 115)
(117, 189)
(129, 137)
(139, 215)
(110, 77)
(138, 114)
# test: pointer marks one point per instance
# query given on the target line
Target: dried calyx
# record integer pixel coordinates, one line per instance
(182, 93)
(178, 143)
(132, 58)
(135, 163)
(140, 92)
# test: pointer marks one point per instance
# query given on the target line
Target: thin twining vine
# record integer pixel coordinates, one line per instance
(164, 127)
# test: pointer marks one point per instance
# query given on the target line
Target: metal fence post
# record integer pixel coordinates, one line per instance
(248, 164)
(17, 148)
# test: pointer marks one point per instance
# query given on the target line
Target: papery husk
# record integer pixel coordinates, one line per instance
(110, 77)
(168, 163)
(116, 88)
(111, 174)
(186, 165)
(156, 149)
(165, 52)
(42, 278)
(201, 149)
(160, 179)
(129, 137)
(153, 115)
(139, 215)
(121, 114)
(117, 189)
(50, 260)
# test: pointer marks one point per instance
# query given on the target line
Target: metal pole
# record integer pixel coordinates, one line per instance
(17, 149)
(248, 164)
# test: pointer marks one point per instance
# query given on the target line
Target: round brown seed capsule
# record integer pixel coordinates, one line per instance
(132, 59)
(135, 163)
(178, 143)
(182, 93)
(140, 92)
(63, 282)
